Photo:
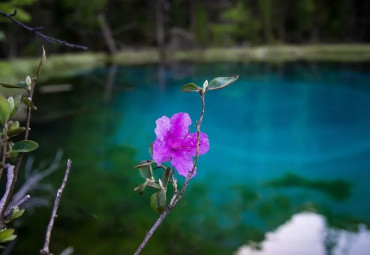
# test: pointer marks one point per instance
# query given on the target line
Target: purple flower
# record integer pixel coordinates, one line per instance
(174, 142)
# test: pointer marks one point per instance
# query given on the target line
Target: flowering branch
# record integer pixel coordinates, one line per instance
(174, 143)
(45, 249)
(36, 30)
(176, 197)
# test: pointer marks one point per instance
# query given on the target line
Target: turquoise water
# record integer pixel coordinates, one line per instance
(283, 139)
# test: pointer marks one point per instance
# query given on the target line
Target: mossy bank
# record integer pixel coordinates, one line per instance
(70, 64)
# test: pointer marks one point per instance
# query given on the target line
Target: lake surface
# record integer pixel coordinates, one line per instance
(285, 141)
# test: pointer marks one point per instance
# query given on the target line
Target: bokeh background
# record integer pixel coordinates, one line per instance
(288, 166)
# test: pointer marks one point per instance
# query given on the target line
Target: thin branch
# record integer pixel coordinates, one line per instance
(176, 198)
(174, 184)
(10, 175)
(45, 249)
(36, 30)
(23, 200)
(5, 143)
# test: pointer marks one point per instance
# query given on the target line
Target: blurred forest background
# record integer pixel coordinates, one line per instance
(113, 25)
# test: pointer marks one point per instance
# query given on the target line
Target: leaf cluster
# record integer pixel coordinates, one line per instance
(216, 83)
(158, 200)
(12, 151)
(11, 128)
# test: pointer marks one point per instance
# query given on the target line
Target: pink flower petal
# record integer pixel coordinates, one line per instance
(191, 143)
(180, 123)
(175, 143)
(161, 152)
(183, 164)
(163, 126)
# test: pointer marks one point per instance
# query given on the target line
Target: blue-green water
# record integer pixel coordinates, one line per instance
(283, 139)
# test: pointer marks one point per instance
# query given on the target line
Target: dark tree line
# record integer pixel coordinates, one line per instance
(124, 24)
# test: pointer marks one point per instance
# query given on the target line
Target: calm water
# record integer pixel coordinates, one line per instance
(284, 139)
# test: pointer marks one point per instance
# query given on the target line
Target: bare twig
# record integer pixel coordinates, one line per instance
(23, 200)
(36, 30)
(45, 249)
(176, 197)
(5, 142)
(175, 191)
(10, 175)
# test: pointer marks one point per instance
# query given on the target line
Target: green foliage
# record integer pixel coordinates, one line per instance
(216, 83)
(158, 201)
(240, 25)
(6, 235)
(29, 103)
(84, 12)
(5, 110)
(304, 14)
(17, 102)
(15, 131)
(16, 213)
(221, 82)
(190, 87)
(12, 5)
(25, 146)
(201, 23)
(10, 150)
(338, 189)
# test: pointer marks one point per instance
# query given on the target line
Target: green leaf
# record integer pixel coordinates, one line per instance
(18, 85)
(146, 172)
(15, 131)
(28, 82)
(154, 185)
(28, 102)
(25, 146)
(16, 213)
(13, 156)
(11, 103)
(221, 82)
(145, 169)
(4, 110)
(166, 176)
(158, 201)
(17, 102)
(190, 87)
(205, 86)
(22, 85)
(13, 124)
(141, 187)
(6, 235)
